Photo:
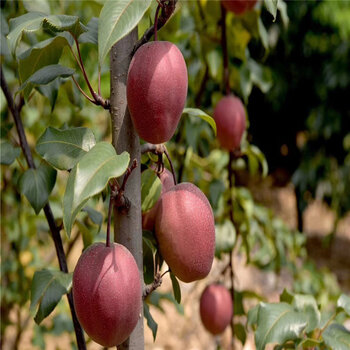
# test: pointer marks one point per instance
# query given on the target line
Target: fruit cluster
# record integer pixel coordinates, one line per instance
(107, 290)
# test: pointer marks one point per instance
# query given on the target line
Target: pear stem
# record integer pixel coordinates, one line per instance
(110, 206)
(171, 164)
(156, 22)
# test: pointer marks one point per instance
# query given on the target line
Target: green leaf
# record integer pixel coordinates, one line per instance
(252, 317)
(260, 75)
(48, 286)
(95, 216)
(4, 28)
(148, 259)
(64, 148)
(155, 299)
(151, 323)
(278, 323)
(37, 6)
(28, 22)
(264, 36)
(240, 332)
(50, 91)
(343, 303)
(64, 23)
(33, 21)
(307, 304)
(256, 157)
(42, 54)
(337, 337)
(117, 19)
(198, 113)
(282, 8)
(286, 296)
(176, 287)
(37, 184)
(89, 177)
(4, 49)
(151, 188)
(47, 74)
(225, 237)
(309, 343)
(8, 153)
(87, 234)
(91, 35)
(271, 6)
(215, 63)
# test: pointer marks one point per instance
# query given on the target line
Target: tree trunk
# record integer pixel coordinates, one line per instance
(127, 228)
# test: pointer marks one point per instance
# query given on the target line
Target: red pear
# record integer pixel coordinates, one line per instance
(157, 90)
(238, 6)
(107, 293)
(185, 232)
(216, 308)
(230, 118)
(149, 217)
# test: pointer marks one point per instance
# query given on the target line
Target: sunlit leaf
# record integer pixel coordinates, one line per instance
(33, 21)
(151, 188)
(64, 148)
(337, 337)
(343, 303)
(308, 305)
(195, 112)
(117, 19)
(89, 177)
(271, 6)
(225, 237)
(28, 22)
(278, 323)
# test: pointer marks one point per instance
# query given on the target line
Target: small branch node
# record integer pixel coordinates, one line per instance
(149, 288)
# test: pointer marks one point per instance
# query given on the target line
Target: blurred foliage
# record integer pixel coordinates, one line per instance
(304, 110)
(306, 115)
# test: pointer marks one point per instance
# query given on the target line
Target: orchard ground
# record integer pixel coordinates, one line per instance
(186, 332)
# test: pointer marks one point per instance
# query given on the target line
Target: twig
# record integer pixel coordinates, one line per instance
(149, 288)
(93, 93)
(97, 98)
(110, 209)
(120, 200)
(167, 10)
(99, 81)
(127, 174)
(156, 22)
(81, 90)
(55, 232)
(171, 164)
(224, 50)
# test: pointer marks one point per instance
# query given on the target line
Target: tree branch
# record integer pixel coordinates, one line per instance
(168, 7)
(224, 50)
(55, 232)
